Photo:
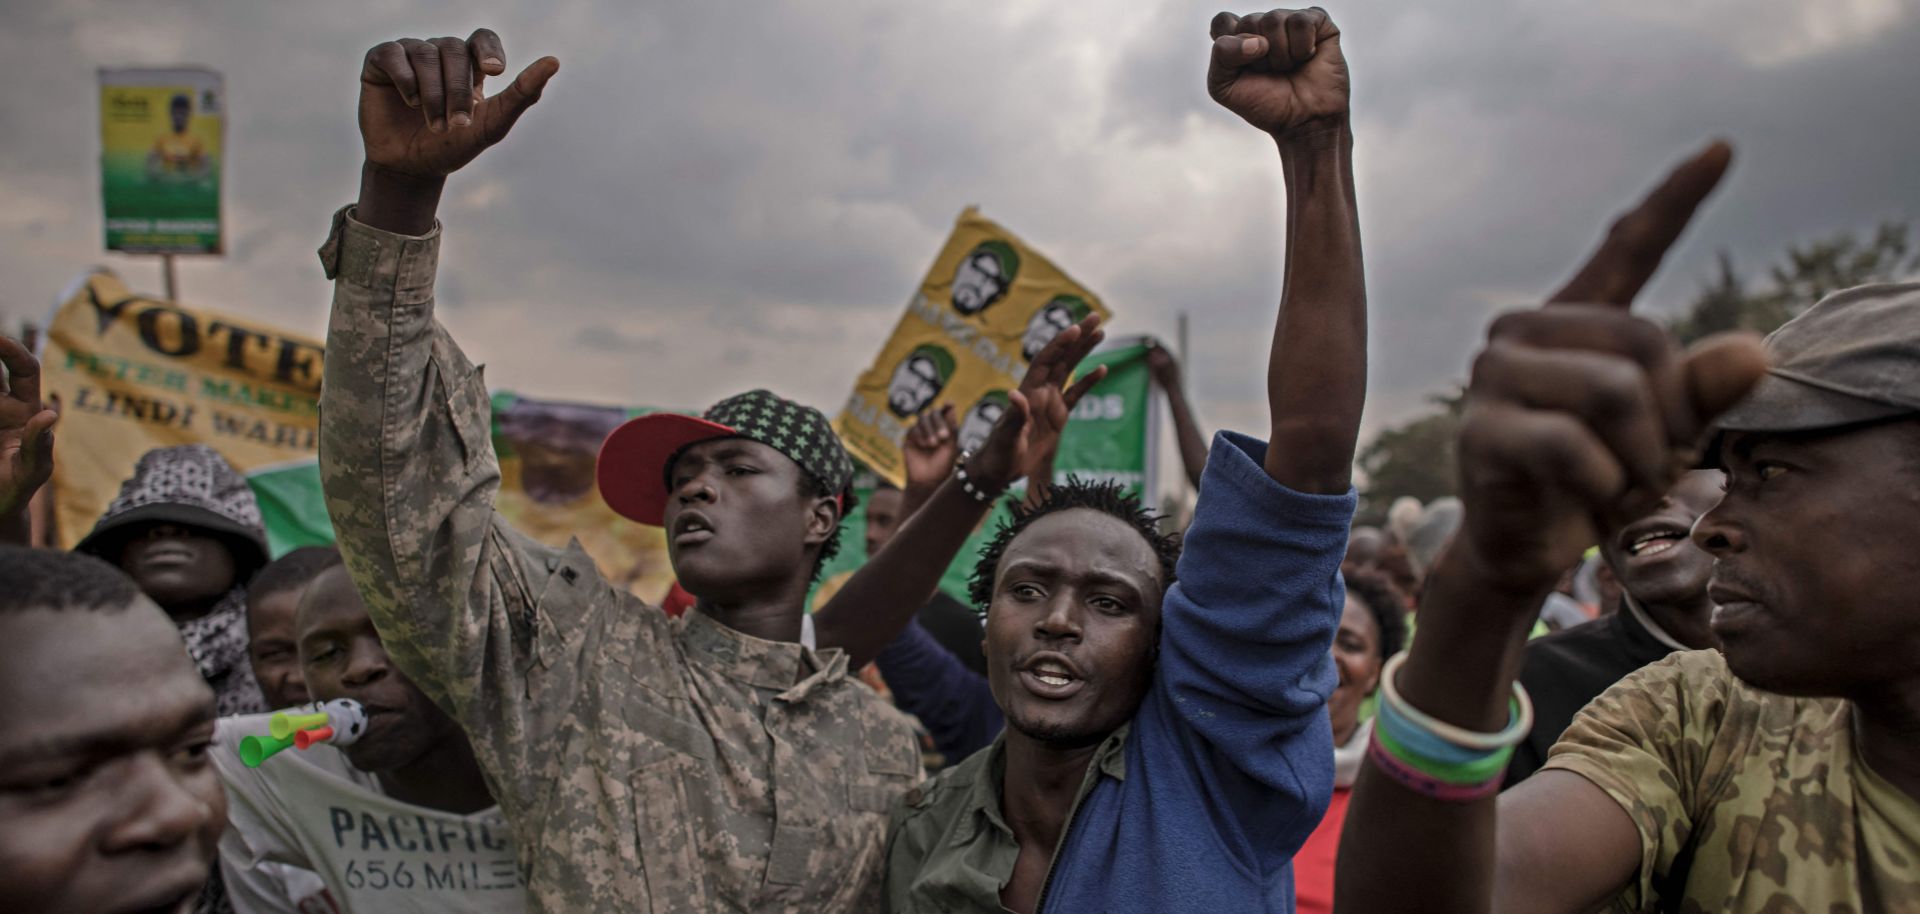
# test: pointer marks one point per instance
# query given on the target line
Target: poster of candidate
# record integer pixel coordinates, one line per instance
(986, 307)
(160, 157)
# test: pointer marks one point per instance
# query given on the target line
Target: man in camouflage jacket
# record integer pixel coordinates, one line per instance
(712, 763)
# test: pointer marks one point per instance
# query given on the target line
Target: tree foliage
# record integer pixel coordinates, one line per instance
(1414, 458)
(1805, 274)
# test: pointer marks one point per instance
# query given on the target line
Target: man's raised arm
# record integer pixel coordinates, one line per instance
(1284, 73)
(406, 457)
(1244, 668)
(1579, 416)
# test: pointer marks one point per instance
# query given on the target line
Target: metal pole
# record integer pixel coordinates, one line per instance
(166, 270)
(1187, 490)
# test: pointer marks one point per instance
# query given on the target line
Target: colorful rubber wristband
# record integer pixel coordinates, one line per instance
(1424, 784)
(1518, 727)
(1422, 743)
(1469, 773)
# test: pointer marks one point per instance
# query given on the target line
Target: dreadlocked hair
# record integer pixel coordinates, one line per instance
(1109, 498)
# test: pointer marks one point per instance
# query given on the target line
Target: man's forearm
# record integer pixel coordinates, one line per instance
(1317, 373)
(880, 598)
(1461, 670)
(1186, 431)
(395, 202)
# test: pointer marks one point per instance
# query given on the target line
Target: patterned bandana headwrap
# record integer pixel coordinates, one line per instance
(193, 486)
(800, 432)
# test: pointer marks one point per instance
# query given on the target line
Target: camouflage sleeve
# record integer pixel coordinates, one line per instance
(1653, 742)
(409, 473)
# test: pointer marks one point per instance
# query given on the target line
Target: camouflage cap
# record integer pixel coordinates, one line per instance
(1852, 358)
(634, 460)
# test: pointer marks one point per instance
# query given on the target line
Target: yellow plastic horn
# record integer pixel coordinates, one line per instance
(284, 725)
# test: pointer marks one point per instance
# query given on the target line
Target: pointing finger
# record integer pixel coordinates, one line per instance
(1638, 240)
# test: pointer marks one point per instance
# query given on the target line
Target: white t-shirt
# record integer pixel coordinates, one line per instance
(311, 810)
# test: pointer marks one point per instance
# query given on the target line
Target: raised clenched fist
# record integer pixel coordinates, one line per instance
(423, 109)
(1280, 70)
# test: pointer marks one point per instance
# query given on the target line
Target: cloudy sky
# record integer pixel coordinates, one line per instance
(713, 199)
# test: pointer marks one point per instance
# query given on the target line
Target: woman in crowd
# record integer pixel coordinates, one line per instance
(1373, 627)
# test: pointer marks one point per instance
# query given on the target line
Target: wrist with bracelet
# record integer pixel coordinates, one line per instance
(1437, 759)
(974, 489)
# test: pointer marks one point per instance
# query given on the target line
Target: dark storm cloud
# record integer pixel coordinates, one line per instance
(748, 196)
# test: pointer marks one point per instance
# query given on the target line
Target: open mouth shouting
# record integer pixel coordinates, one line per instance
(691, 528)
(1051, 675)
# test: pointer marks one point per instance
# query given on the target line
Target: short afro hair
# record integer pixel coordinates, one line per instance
(1109, 498)
(1385, 601)
(814, 488)
(54, 580)
(292, 571)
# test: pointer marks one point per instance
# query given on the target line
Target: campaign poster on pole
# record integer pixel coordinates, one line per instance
(161, 152)
(987, 307)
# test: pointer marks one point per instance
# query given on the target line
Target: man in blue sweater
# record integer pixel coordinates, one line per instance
(1167, 745)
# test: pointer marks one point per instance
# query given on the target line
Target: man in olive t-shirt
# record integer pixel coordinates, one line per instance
(1716, 771)
(1782, 775)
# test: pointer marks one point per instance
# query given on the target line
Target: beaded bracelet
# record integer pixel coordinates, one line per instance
(966, 482)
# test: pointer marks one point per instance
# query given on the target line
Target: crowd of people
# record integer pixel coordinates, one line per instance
(1719, 712)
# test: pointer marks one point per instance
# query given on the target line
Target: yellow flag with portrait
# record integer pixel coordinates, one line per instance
(987, 306)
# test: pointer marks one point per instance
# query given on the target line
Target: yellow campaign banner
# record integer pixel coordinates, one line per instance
(987, 306)
(132, 373)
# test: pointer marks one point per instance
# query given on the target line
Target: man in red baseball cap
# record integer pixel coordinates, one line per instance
(706, 763)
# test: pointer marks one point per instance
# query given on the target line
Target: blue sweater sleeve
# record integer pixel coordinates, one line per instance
(1239, 701)
(930, 683)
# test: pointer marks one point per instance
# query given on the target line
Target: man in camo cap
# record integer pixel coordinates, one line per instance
(1778, 773)
(710, 763)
